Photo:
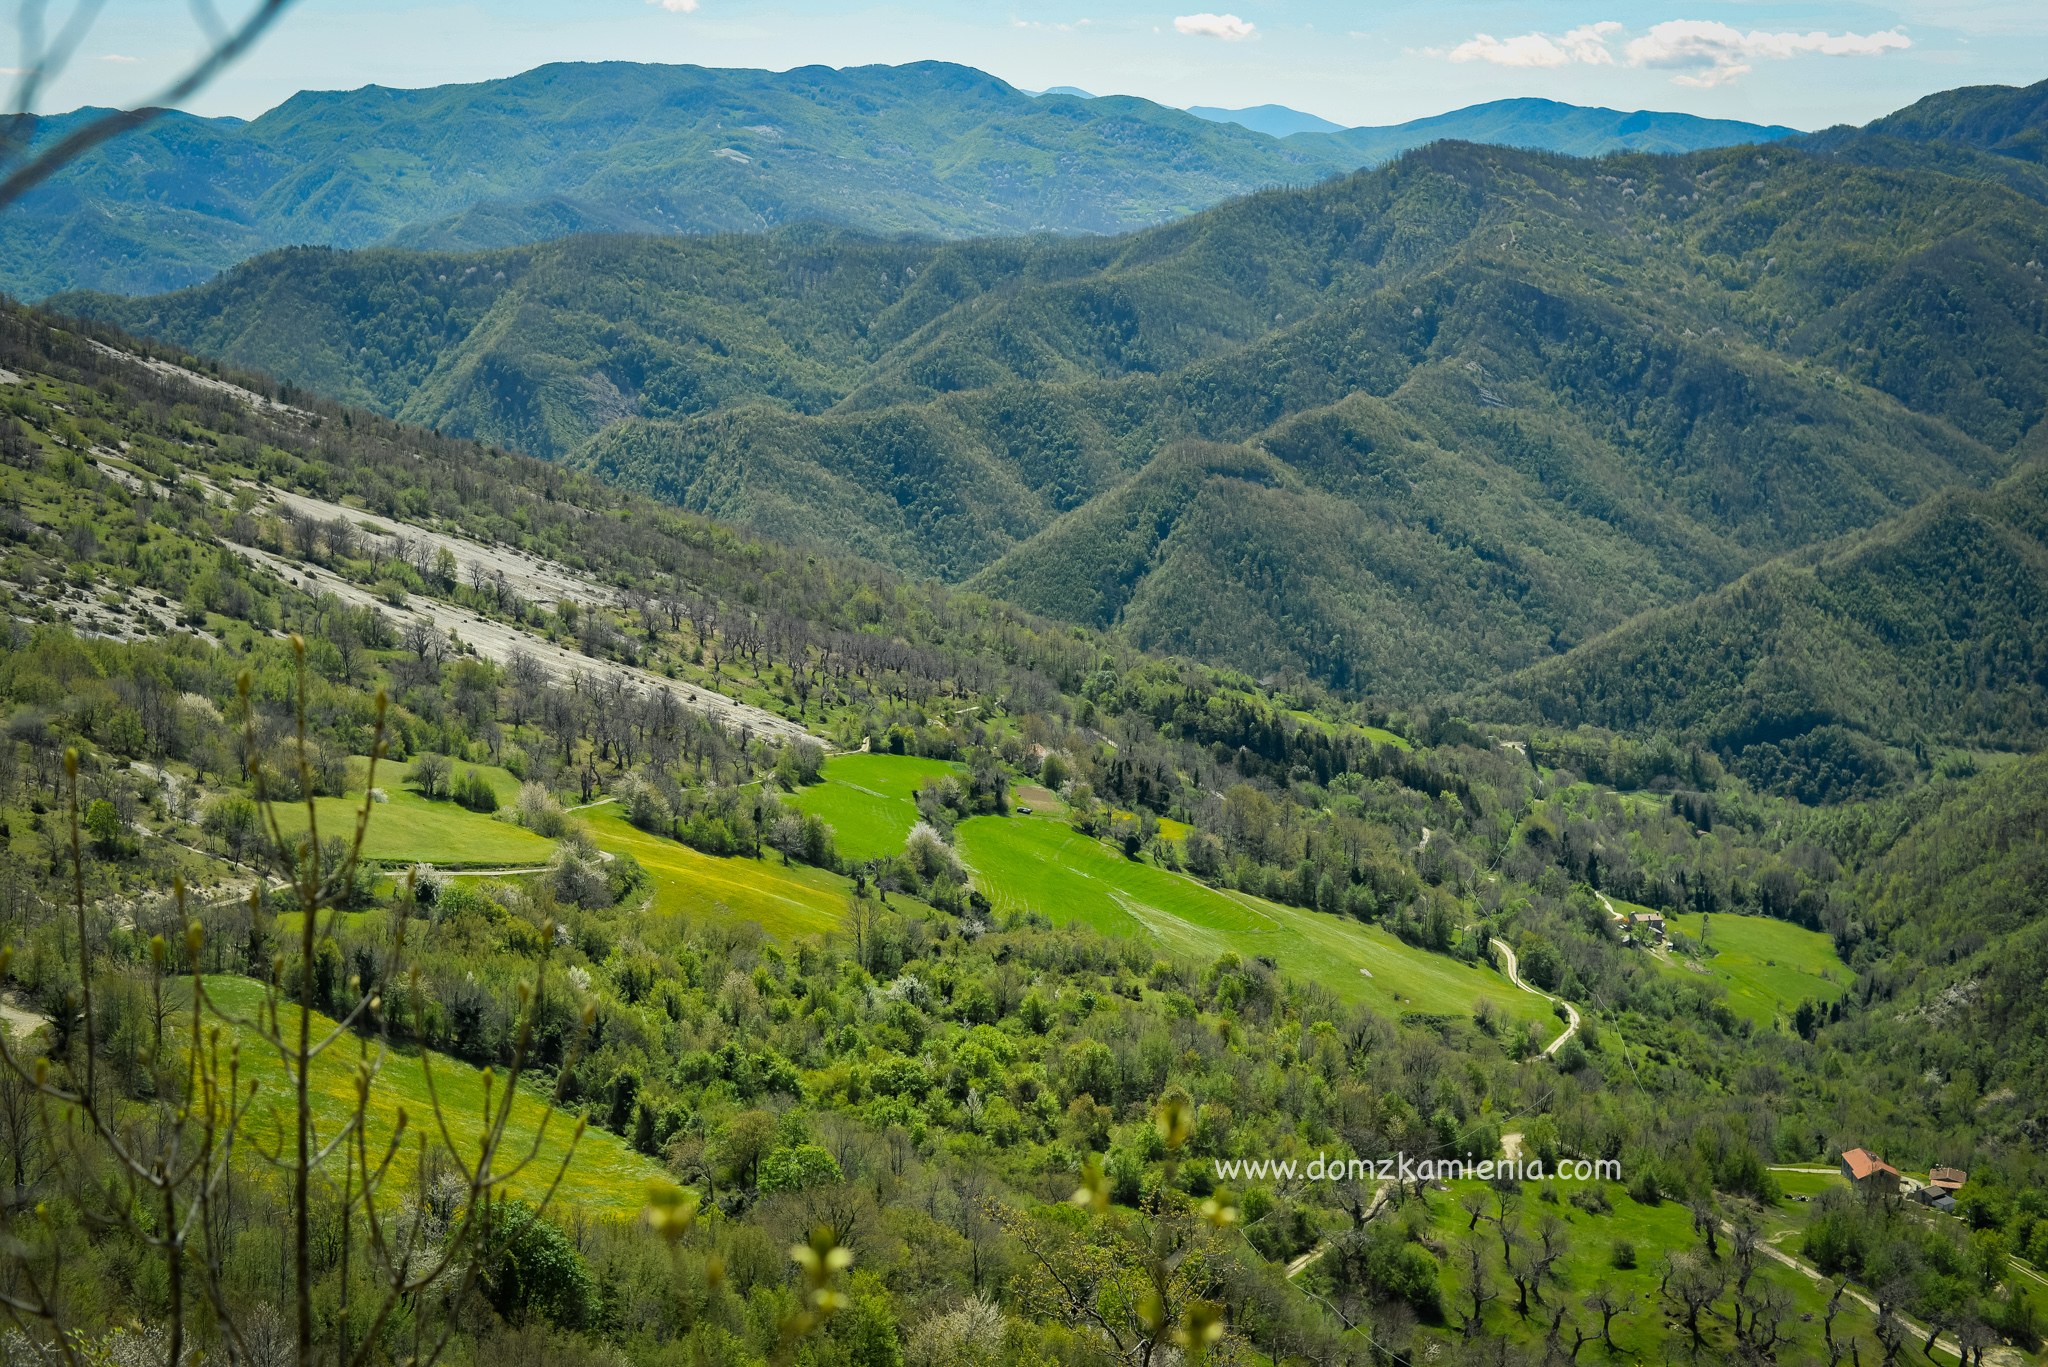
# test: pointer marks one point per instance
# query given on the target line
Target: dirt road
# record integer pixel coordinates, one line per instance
(1571, 1012)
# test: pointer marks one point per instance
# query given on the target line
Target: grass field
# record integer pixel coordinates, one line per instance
(407, 828)
(606, 1177)
(1375, 734)
(1044, 865)
(1769, 966)
(797, 900)
(869, 800)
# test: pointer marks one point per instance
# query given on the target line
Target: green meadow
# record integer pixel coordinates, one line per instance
(1043, 865)
(1039, 863)
(1769, 966)
(606, 1176)
(407, 828)
(870, 800)
(1376, 734)
(791, 901)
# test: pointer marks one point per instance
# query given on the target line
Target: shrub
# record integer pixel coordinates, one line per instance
(1623, 1254)
(929, 856)
(539, 812)
(643, 804)
(475, 792)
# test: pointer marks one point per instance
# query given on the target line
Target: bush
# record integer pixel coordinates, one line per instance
(529, 1267)
(1403, 1271)
(643, 804)
(930, 857)
(475, 792)
(580, 880)
(539, 812)
(1623, 1254)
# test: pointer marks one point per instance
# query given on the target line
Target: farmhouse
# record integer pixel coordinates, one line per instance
(1870, 1174)
(1941, 1187)
(1649, 924)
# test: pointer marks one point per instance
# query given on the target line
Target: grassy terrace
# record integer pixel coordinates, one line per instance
(407, 828)
(870, 800)
(790, 901)
(1041, 864)
(1045, 865)
(1769, 966)
(1645, 1334)
(607, 1177)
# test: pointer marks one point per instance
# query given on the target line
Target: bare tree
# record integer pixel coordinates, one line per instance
(1609, 1302)
(1478, 1289)
(42, 55)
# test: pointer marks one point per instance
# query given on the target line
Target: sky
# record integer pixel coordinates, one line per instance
(1353, 61)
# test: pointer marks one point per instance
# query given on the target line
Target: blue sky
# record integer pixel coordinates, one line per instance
(1355, 61)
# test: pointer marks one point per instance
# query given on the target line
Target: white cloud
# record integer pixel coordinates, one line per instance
(1228, 27)
(1587, 44)
(676, 6)
(1705, 53)
(117, 57)
(1075, 26)
(1700, 52)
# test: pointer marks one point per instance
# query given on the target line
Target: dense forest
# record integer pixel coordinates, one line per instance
(1399, 432)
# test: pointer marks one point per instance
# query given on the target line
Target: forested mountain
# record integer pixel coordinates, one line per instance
(1656, 372)
(1930, 629)
(929, 148)
(1993, 132)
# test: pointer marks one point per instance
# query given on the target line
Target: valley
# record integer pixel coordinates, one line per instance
(621, 759)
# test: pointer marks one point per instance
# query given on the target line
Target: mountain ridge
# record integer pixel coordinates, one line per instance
(927, 148)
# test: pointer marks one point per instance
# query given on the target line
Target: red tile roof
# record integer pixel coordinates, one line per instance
(1862, 1163)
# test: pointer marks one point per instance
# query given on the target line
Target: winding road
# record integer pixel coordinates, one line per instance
(1571, 1013)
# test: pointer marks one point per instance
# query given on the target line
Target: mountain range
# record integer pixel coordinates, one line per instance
(930, 149)
(1453, 424)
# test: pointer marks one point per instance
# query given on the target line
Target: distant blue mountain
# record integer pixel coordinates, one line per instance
(1552, 126)
(1274, 120)
(930, 148)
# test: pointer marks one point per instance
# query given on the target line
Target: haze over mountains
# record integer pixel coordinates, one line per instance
(930, 148)
(1274, 120)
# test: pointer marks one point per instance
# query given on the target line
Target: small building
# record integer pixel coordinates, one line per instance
(1648, 924)
(1870, 1174)
(1949, 1180)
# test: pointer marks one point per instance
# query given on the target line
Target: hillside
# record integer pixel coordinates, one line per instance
(928, 148)
(1949, 912)
(1052, 912)
(1660, 371)
(1931, 629)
